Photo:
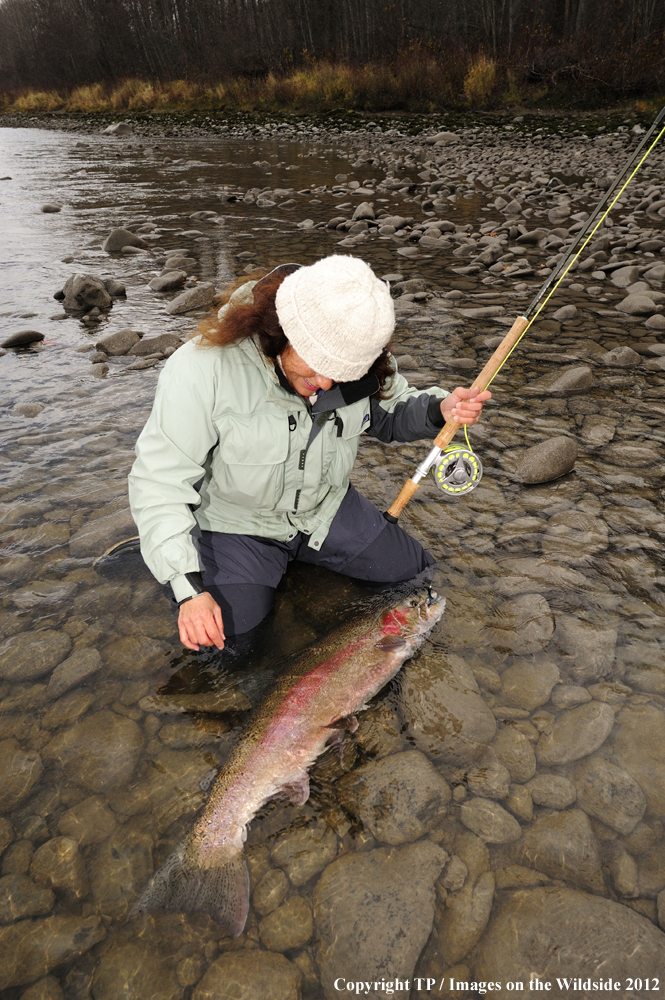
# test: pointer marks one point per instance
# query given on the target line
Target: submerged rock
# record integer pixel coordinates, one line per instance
(515, 752)
(95, 537)
(528, 682)
(445, 714)
(575, 734)
(566, 933)
(30, 655)
(289, 926)
(31, 948)
(562, 845)
(552, 791)
(374, 912)
(465, 918)
(119, 238)
(58, 865)
(639, 748)
(305, 853)
(98, 753)
(131, 972)
(20, 771)
(522, 625)
(88, 822)
(22, 338)
(83, 663)
(489, 821)
(548, 460)
(119, 870)
(398, 799)
(21, 898)
(609, 793)
(565, 382)
(250, 974)
(589, 649)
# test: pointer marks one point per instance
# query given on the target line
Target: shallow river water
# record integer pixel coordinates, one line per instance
(498, 815)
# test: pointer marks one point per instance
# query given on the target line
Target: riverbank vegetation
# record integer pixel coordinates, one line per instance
(319, 55)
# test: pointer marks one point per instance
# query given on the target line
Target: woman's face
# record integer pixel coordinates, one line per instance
(302, 378)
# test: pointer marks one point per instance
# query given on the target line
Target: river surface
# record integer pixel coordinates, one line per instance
(507, 823)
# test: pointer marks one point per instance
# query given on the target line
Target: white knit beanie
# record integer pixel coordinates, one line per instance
(337, 315)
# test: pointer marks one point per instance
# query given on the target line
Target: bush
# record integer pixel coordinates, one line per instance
(480, 80)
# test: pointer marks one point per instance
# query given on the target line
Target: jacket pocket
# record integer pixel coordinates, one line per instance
(355, 420)
(248, 464)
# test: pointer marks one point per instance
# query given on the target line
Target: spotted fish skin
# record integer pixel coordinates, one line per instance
(321, 690)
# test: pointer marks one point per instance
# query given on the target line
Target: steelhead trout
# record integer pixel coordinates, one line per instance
(318, 694)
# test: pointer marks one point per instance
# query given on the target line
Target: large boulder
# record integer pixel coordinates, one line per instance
(118, 343)
(85, 291)
(374, 912)
(548, 460)
(559, 932)
(155, 345)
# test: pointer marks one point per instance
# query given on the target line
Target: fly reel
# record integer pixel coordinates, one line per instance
(457, 472)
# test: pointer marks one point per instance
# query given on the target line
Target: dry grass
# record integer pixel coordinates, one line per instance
(481, 80)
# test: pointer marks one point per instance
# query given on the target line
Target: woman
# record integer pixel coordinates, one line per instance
(244, 462)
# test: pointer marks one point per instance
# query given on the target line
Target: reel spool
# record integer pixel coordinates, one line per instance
(457, 472)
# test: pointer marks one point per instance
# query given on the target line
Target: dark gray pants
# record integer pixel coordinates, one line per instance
(242, 571)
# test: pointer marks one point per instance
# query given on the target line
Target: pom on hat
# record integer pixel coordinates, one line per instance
(337, 315)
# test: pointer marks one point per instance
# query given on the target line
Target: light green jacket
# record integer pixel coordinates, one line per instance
(223, 447)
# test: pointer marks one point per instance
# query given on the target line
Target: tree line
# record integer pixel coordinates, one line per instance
(618, 44)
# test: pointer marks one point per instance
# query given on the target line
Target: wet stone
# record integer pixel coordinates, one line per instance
(85, 291)
(88, 822)
(81, 665)
(398, 799)
(271, 892)
(135, 973)
(58, 865)
(564, 382)
(374, 912)
(639, 749)
(155, 345)
(489, 821)
(564, 932)
(21, 898)
(289, 926)
(621, 357)
(552, 791)
(17, 858)
(488, 779)
(98, 753)
(445, 714)
(22, 338)
(576, 733)
(454, 875)
(67, 710)
(528, 682)
(95, 537)
(35, 947)
(119, 870)
(119, 343)
(6, 834)
(192, 298)
(249, 974)
(168, 281)
(522, 625)
(549, 460)
(305, 853)
(569, 696)
(30, 655)
(119, 238)
(20, 771)
(588, 649)
(465, 918)
(520, 803)
(562, 845)
(46, 989)
(515, 752)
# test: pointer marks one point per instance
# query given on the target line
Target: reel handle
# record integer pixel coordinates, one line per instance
(450, 428)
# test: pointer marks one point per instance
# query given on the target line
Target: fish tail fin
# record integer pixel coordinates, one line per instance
(182, 886)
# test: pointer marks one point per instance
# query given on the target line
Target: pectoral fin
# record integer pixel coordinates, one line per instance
(390, 643)
(297, 791)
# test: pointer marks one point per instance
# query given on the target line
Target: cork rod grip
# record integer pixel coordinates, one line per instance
(450, 428)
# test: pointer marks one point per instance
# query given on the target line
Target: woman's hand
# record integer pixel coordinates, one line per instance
(464, 405)
(200, 623)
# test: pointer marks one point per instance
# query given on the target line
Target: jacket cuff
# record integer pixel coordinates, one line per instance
(182, 588)
(434, 414)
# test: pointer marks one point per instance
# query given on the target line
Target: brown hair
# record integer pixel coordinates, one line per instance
(259, 319)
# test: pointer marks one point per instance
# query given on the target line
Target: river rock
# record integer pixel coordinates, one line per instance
(22, 338)
(119, 343)
(609, 793)
(565, 312)
(489, 779)
(116, 289)
(623, 277)
(131, 972)
(489, 821)
(20, 770)
(398, 799)
(575, 734)
(46, 989)
(561, 932)
(168, 791)
(597, 430)
(85, 291)
(119, 238)
(58, 865)
(523, 625)
(465, 918)
(569, 696)
(573, 537)
(155, 345)
(564, 382)
(552, 791)
(118, 128)
(638, 305)
(29, 655)
(131, 655)
(249, 974)
(620, 357)
(639, 749)
(88, 822)
(363, 211)
(454, 877)
(562, 845)
(548, 460)
(270, 892)
(31, 948)
(83, 663)
(515, 752)
(98, 535)
(588, 649)
(290, 926)
(198, 297)
(6, 834)
(528, 682)
(120, 869)
(304, 853)
(168, 281)
(445, 714)
(98, 753)
(374, 912)
(21, 898)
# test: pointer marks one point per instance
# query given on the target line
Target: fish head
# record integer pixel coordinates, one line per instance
(414, 615)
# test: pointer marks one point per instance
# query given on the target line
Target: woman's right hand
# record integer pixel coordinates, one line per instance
(200, 622)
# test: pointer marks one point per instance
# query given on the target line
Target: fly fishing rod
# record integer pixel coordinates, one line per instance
(457, 471)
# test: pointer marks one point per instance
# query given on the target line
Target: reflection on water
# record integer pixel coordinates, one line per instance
(498, 815)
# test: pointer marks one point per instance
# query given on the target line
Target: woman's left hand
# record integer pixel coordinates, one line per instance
(464, 405)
